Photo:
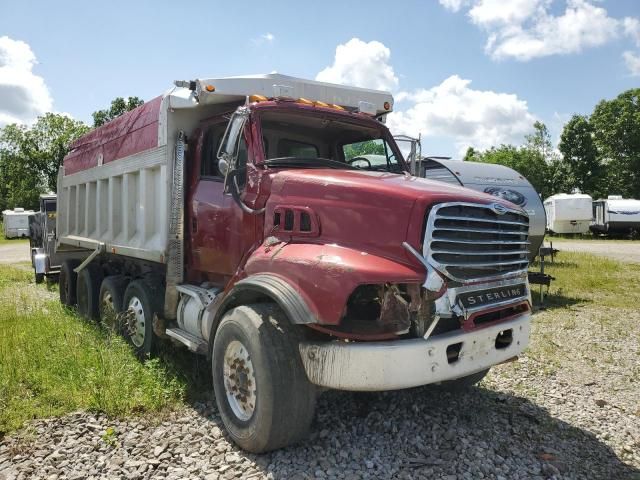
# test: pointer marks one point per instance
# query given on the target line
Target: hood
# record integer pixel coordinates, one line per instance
(371, 211)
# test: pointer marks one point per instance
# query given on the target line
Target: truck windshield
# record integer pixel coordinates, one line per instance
(317, 141)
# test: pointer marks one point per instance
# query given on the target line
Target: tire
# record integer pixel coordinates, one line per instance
(255, 344)
(464, 383)
(111, 300)
(39, 277)
(142, 300)
(88, 290)
(68, 279)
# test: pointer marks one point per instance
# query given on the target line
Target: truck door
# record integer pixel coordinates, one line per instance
(219, 231)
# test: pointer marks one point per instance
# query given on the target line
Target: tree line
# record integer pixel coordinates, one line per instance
(598, 154)
(31, 156)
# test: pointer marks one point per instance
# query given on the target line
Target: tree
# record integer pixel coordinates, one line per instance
(30, 157)
(118, 106)
(616, 134)
(580, 155)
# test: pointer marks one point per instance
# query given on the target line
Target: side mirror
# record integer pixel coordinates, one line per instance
(223, 166)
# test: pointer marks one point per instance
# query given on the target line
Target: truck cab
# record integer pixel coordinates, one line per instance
(271, 224)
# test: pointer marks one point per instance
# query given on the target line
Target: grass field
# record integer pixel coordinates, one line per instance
(52, 363)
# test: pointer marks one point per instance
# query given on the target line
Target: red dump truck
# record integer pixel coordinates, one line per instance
(243, 218)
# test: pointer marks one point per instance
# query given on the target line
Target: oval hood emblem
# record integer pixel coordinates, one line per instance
(498, 209)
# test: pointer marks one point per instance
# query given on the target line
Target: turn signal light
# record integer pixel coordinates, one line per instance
(210, 88)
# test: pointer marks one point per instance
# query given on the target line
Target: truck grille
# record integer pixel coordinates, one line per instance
(469, 242)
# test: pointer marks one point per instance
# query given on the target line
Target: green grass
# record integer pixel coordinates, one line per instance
(52, 362)
(587, 237)
(585, 278)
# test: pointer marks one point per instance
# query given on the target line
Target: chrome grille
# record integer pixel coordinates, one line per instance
(470, 242)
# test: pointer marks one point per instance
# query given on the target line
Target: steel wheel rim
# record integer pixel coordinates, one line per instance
(136, 322)
(239, 380)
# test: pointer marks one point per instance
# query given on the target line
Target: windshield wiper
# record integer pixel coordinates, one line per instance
(307, 162)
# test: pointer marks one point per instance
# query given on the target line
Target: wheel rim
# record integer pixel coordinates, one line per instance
(239, 380)
(136, 322)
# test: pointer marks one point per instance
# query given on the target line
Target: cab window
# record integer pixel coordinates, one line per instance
(374, 154)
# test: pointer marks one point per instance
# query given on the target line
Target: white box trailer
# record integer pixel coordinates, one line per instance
(16, 223)
(568, 213)
(616, 215)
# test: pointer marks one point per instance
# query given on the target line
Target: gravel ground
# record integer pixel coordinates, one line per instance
(571, 426)
(621, 251)
(15, 251)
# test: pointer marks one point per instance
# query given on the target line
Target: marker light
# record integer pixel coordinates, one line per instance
(337, 107)
(257, 98)
(210, 88)
(387, 105)
(304, 101)
(318, 103)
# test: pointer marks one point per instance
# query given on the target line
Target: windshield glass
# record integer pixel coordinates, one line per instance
(317, 141)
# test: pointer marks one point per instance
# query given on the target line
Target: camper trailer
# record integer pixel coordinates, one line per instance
(496, 180)
(16, 223)
(616, 215)
(568, 213)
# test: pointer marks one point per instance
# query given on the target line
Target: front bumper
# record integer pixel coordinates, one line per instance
(393, 365)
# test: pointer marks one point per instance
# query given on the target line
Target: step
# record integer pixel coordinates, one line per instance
(193, 343)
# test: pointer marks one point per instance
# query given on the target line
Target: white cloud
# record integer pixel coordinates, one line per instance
(632, 29)
(526, 29)
(23, 95)
(265, 38)
(478, 118)
(632, 61)
(453, 5)
(361, 64)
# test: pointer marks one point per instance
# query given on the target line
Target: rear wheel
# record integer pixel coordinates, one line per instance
(68, 279)
(142, 300)
(111, 300)
(87, 291)
(262, 391)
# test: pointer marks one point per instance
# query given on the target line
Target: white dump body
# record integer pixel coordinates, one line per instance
(569, 213)
(16, 222)
(118, 190)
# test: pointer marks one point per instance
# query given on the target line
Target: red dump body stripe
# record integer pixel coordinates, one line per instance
(133, 132)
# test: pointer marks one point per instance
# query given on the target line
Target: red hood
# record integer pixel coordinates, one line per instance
(371, 211)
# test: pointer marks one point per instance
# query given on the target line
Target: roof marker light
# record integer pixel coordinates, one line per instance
(318, 103)
(304, 101)
(337, 107)
(257, 98)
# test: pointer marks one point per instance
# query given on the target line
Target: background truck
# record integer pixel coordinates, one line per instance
(45, 260)
(237, 216)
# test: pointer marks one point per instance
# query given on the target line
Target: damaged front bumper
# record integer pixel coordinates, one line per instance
(397, 364)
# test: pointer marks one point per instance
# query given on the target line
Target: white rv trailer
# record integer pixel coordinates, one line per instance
(16, 223)
(568, 213)
(616, 215)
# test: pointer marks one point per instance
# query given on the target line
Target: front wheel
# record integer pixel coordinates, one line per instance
(262, 391)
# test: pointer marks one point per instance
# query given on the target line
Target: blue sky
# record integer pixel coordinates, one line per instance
(548, 58)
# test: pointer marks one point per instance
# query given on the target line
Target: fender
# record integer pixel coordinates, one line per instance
(273, 287)
(325, 275)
